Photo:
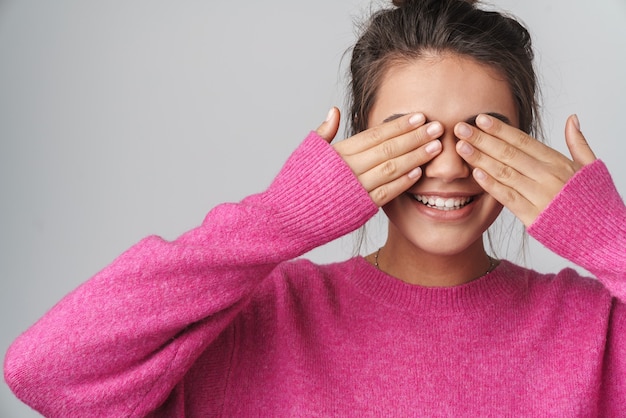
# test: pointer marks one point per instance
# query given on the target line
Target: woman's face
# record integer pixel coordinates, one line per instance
(445, 212)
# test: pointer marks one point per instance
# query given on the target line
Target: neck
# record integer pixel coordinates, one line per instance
(415, 266)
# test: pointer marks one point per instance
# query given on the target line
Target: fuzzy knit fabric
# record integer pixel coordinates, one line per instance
(227, 321)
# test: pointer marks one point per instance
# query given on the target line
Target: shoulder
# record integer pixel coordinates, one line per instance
(298, 298)
(565, 289)
(303, 276)
(304, 283)
(297, 269)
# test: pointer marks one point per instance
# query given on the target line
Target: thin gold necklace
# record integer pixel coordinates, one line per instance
(492, 263)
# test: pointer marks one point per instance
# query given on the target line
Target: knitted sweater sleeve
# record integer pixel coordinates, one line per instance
(586, 224)
(119, 343)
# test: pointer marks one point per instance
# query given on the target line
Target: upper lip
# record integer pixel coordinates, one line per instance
(445, 194)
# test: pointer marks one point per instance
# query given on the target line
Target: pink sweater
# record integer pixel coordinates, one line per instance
(220, 323)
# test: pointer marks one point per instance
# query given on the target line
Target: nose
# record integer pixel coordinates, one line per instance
(448, 165)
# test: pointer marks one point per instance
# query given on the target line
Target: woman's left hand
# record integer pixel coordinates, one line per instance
(517, 170)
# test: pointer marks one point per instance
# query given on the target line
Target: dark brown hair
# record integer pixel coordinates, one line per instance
(416, 27)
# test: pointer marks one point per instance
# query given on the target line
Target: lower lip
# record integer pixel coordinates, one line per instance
(446, 215)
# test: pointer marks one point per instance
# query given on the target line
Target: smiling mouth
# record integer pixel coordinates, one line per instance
(443, 203)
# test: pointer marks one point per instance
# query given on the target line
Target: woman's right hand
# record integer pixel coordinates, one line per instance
(386, 159)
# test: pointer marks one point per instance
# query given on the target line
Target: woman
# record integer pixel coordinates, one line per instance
(223, 321)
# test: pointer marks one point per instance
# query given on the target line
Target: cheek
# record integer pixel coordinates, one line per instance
(397, 207)
(492, 209)
(400, 213)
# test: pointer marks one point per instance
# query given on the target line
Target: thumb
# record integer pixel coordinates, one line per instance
(328, 129)
(576, 142)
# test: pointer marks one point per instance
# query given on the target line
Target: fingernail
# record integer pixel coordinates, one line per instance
(330, 114)
(417, 119)
(479, 174)
(434, 129)
(415, 173)
(463, 130)
(576, 121)
(484, 121)
(433, 146)
(465, 148)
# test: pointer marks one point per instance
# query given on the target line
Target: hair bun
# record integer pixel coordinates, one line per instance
(402, 3)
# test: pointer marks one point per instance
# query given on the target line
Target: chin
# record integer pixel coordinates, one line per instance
(445, 245)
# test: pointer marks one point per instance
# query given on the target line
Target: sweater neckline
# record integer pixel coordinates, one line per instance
(498, 287)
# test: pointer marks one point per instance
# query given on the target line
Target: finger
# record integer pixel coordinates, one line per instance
(481, 149)
(515, 149)
(521, 207)
(397, 175)
(328, 129)
(538, 189)
(576, 143)
(393, 148)
(385, 193)
(517, 138)
(379, 134)
(497, 170)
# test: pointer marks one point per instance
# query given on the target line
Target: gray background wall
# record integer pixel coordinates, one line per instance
(120, 119)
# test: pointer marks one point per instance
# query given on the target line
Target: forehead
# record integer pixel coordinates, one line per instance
(448, 88)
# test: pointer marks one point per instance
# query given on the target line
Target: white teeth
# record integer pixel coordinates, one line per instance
(443, 203)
